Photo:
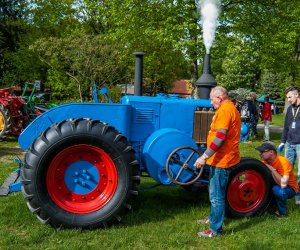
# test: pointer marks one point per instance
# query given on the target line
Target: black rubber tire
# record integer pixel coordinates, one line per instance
(261, 204)
(65, 134)
(6, 118)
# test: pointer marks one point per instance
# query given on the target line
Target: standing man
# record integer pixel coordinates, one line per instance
(291, 135)
(257, 114)
(221, 154)
(266, 117)
(281, 169)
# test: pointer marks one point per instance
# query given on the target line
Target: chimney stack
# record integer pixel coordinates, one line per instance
(138, 73)
(206, 81)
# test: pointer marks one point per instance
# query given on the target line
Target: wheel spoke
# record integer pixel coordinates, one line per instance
(179, 173)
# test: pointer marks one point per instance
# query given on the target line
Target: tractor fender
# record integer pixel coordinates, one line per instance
(116, 115)
(157, 149)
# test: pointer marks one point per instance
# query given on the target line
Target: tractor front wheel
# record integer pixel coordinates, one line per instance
(79, 174)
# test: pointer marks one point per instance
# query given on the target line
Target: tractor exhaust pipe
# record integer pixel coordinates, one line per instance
(138, 73)
(206, 81)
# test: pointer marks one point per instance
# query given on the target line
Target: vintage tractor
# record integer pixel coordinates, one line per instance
(17, 111)
(12, 119)
(84, 160)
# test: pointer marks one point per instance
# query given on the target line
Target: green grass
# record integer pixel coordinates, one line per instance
(278, 120)
(162, 218)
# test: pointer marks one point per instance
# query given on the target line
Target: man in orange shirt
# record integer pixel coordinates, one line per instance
(286, 185)
(221, 154)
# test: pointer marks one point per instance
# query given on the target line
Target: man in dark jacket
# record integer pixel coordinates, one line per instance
(291, 135)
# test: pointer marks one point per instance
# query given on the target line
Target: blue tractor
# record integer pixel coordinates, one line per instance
(83, 161)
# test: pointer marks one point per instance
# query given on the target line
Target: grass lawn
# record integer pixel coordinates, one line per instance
(162, 218)
(278, 120)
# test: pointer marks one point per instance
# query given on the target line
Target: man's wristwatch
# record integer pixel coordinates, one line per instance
(204, 156)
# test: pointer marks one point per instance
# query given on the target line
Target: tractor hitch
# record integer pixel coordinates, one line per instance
(12, 182)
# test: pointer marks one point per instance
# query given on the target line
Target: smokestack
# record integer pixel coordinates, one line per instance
(138, 73)
(206, 81)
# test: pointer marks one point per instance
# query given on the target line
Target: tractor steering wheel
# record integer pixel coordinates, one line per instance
(184, 157)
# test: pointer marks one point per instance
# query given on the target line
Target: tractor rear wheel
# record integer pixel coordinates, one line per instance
(80, 174)
(249, 189)
(5, 122)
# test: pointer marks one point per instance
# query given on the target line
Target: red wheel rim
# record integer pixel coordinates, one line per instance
(246, 191)
(82, 179)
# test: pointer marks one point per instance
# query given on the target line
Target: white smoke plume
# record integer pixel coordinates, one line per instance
(209, 17)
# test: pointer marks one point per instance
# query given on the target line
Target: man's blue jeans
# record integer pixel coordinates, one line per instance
(292, 152)
(281, 196)
(218, 179)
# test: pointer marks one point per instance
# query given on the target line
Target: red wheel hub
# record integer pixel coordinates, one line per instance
(82, 179)
(246, 191)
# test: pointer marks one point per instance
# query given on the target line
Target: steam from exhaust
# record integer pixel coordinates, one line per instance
(209, 13)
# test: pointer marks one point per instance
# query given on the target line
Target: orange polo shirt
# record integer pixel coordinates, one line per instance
(284, 167)
(226, 117)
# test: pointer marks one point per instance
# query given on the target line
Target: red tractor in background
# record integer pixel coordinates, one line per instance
(16, 111)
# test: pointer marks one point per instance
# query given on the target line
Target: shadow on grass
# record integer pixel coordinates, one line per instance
(10, 151)
(238, 225)
(165, 202)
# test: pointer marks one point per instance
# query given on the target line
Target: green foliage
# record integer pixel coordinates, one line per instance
(253, 36)
(268, 85)
(84, 59)
(239, 68)
(62, 88)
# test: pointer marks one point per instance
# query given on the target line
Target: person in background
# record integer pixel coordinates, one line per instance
(221, 154)
(257, 114)
(248, 113)
(286, 185)
(266, 117)
(291, 131)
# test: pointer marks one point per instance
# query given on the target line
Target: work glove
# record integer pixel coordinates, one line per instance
(280, 147)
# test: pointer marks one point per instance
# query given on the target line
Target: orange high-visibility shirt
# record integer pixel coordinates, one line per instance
(226, 117)
(284, 167)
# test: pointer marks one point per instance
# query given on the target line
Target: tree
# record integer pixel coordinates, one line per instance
(84, 59)
(240, 66)
(12, 26)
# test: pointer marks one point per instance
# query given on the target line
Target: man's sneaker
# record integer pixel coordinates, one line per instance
(207, 233)
(277, 214)
(297, 199)
(203, 221)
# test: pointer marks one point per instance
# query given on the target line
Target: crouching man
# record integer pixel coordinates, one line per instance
(281, 169)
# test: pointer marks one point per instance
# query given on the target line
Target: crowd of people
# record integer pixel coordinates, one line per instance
(222, 152)
(251, 111)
